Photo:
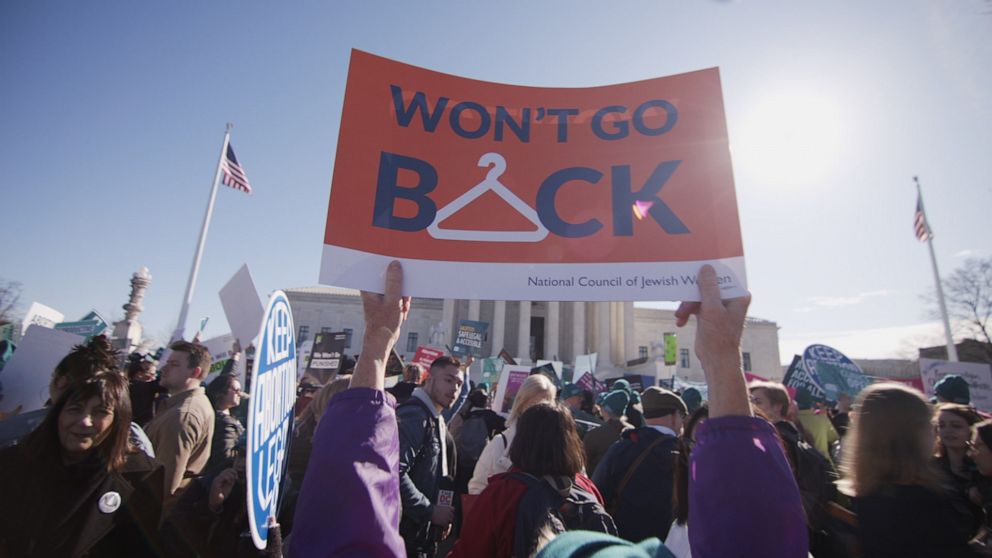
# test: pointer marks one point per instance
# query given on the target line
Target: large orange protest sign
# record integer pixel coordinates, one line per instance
(494, 191)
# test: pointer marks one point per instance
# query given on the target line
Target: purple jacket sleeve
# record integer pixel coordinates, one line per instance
(349, 504)
(743, 499)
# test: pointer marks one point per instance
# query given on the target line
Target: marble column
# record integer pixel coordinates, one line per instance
(474, 307)
(578, 329)
(629, 343)
(603, 334)
(447, 319)
(551, 328)
(498, 326)
(523, 333)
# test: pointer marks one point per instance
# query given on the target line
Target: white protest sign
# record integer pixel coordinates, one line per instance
(270, 414)
(510, 380)
(221, 351)
(242, 306)
(26, 376)
(978, 376)
(39, 314)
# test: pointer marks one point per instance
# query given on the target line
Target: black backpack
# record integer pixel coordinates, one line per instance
(816, 477)
(544, 507)
(476, 431)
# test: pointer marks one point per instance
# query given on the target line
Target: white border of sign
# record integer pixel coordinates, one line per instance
(344, 267)
(278, 300)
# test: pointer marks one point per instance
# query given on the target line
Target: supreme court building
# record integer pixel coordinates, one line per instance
(626, 338)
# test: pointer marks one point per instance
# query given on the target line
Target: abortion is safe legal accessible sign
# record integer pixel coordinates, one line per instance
(493, 191)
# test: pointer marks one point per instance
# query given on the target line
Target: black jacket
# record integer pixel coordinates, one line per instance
(50, 509)
(644, 508)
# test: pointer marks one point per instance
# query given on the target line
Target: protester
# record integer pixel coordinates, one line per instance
(413, 377)
(903, 508)
(981, 493)
(76, 486)
(634, 412)
(736, 461)
(840, 414)
(495, 458)
(302, 447)
(677, 540)
(546, 477)
(358, 464)
(224, 393)
(693, 399)
(182, 432)
(143, 387)
(952, 389)
(574, 398)
(598, 441)
(635, 475)
(815, 474)
(425, 459)
(953, 423)
(820, 432)
(211, 520)
(472, 428)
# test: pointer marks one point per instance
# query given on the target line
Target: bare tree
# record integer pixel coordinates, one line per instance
(968, 291)
(10, 295)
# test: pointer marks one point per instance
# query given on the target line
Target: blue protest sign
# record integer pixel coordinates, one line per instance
(270, 414)
(833, 371)
(470, 339)
(83, 328)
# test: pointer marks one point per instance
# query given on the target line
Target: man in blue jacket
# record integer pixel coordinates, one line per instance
(635, 475)
(424, 458)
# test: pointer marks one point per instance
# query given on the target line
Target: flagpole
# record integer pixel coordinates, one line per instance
(195, 270)
(952, 352)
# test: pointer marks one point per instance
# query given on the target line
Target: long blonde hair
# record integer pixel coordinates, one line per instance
(535, 389)
(889, 442)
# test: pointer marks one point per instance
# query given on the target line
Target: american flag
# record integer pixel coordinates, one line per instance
(923, 232)
(234, 175)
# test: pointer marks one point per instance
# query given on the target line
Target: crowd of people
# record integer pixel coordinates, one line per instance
(127, 462)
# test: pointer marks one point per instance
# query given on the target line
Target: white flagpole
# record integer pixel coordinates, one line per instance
(952, 351)
(195, 270)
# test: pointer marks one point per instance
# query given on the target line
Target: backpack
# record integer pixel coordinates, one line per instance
(815, 476)
(543, 507)
(475, 433)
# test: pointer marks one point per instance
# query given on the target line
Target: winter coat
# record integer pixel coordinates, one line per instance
(644, 508)
(51, 509)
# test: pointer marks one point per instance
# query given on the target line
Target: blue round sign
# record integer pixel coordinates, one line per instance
(833, 371)
(270, 414)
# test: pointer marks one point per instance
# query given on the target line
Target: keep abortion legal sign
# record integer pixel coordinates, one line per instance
(492, 191)
(270, 415)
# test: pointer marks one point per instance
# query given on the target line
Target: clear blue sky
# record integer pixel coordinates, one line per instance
(112, 115)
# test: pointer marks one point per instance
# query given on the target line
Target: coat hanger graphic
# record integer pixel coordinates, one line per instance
(491, 182)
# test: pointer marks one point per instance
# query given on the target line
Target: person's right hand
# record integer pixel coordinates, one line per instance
(719, 324)
(385, 313)
(443, 516)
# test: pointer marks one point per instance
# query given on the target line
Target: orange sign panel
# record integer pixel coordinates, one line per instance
(495, 191)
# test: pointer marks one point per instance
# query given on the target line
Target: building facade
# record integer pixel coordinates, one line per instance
(626, 338)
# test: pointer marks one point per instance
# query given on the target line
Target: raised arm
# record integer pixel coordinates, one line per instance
(743, 499)
(349, 504)
(719, 324)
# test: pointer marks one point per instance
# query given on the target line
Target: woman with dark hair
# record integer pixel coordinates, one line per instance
(547, 468)
(981, 493)
(224, 393)
(903, 505)
(953, 427)
(76, 486)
